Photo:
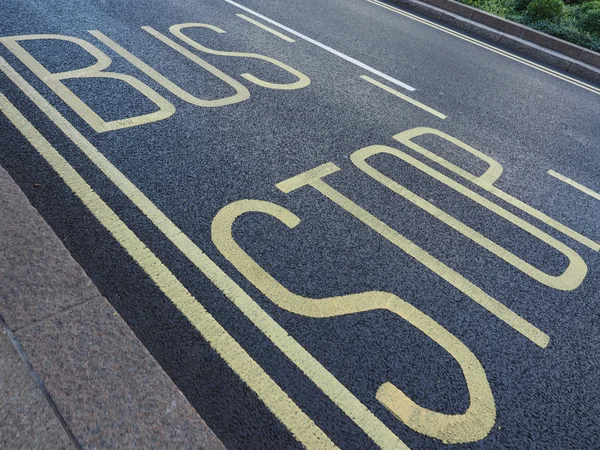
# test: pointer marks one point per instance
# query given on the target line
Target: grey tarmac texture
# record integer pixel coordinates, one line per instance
(106, 388)
(201, 159)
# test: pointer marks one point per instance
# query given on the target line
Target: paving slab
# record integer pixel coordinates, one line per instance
(26, 418)
(101, 383)
(38, 277)
(96, 371)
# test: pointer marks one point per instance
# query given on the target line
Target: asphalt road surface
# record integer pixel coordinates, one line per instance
(333, 223)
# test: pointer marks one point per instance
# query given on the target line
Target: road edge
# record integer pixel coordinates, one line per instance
(526, 41)
(104, 387)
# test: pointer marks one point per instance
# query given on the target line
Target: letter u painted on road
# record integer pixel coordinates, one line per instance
(472, 425)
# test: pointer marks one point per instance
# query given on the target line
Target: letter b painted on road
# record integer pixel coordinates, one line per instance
(96, 70)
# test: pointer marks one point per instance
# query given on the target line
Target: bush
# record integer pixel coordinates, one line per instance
(568, 33)
(499, 7)
(521, 5)
(577, 22)
(545, 9)
(588, 6)
(590, 21)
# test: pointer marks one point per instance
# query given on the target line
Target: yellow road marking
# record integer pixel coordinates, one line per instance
(479, 43)
(310, 366)
(571, 277)
(299, 424)
(96, 70)
(575, 184)
(471, 426)
(266, 28)
(406, 98)
(485, 181)
(241, 92)
(314, 178)
(303, 80)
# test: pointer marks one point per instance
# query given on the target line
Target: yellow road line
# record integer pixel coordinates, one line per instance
(311, 367)
(575, 184)
(490, 47)
(266, 28)
(299, 424)
(406, 98)
(471, 426)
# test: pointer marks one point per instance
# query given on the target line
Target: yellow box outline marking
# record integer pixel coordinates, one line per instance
(266, 28)
(575, 184)
(253, 375)
(406, 98)
(310, 366)
(491, 48)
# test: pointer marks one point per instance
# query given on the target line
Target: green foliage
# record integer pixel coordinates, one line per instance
(589, 6)
(590, 20)
(575, 23)
(545, 9)
(498, 7)
(521, 5)
(568, 33)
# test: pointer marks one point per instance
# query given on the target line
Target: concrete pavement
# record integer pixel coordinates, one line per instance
(28, 420)
(72, 374)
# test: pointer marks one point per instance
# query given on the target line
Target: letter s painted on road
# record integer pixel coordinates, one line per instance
(302, 82)
(472, 425)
